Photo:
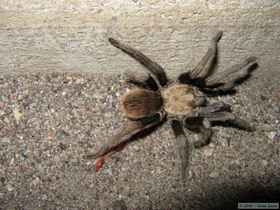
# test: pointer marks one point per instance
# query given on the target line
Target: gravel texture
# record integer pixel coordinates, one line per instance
(48, 121)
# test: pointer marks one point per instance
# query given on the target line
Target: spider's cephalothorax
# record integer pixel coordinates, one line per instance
(183, 102)
(179, 99)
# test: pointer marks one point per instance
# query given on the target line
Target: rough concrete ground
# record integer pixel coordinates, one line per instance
(48, 121)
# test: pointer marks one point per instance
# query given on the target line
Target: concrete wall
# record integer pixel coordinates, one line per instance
(71, 35)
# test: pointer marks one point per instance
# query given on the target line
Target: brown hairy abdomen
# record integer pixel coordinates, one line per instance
(139, 103)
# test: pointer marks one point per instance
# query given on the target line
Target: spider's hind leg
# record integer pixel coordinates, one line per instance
(226, 81)
(219, 112)
(232, 119)
(205, 135)
(182, 146)
(201, 126)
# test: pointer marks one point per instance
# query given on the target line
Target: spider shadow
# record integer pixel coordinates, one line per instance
(221, 193)
(227, 194)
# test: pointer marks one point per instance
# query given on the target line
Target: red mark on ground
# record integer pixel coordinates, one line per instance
(99, 163)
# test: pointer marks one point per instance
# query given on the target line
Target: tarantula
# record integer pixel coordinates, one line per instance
(182, 102)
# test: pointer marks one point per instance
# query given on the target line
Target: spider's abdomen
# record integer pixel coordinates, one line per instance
(178, 99)
(139, 103)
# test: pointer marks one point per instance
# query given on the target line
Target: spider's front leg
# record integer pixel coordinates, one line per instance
(226, 81)
(202, 70)
(154, 69)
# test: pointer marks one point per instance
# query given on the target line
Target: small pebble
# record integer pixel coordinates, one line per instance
(62, 146)
(3, 180)
(2, 104)
(263, 97)
(271, 135)
(79, 81)
(264, 163)
(208, 152)
(6, 120)
(276, 109)
(5, 140)
(119, 205)
(10, 187)
(214, 174)
(44, 197)
(61, 134)
(17, 114)
(12, 161)
(276, 136)
(265, 127)
(35, 181)
(24, 151)
(2, 113)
